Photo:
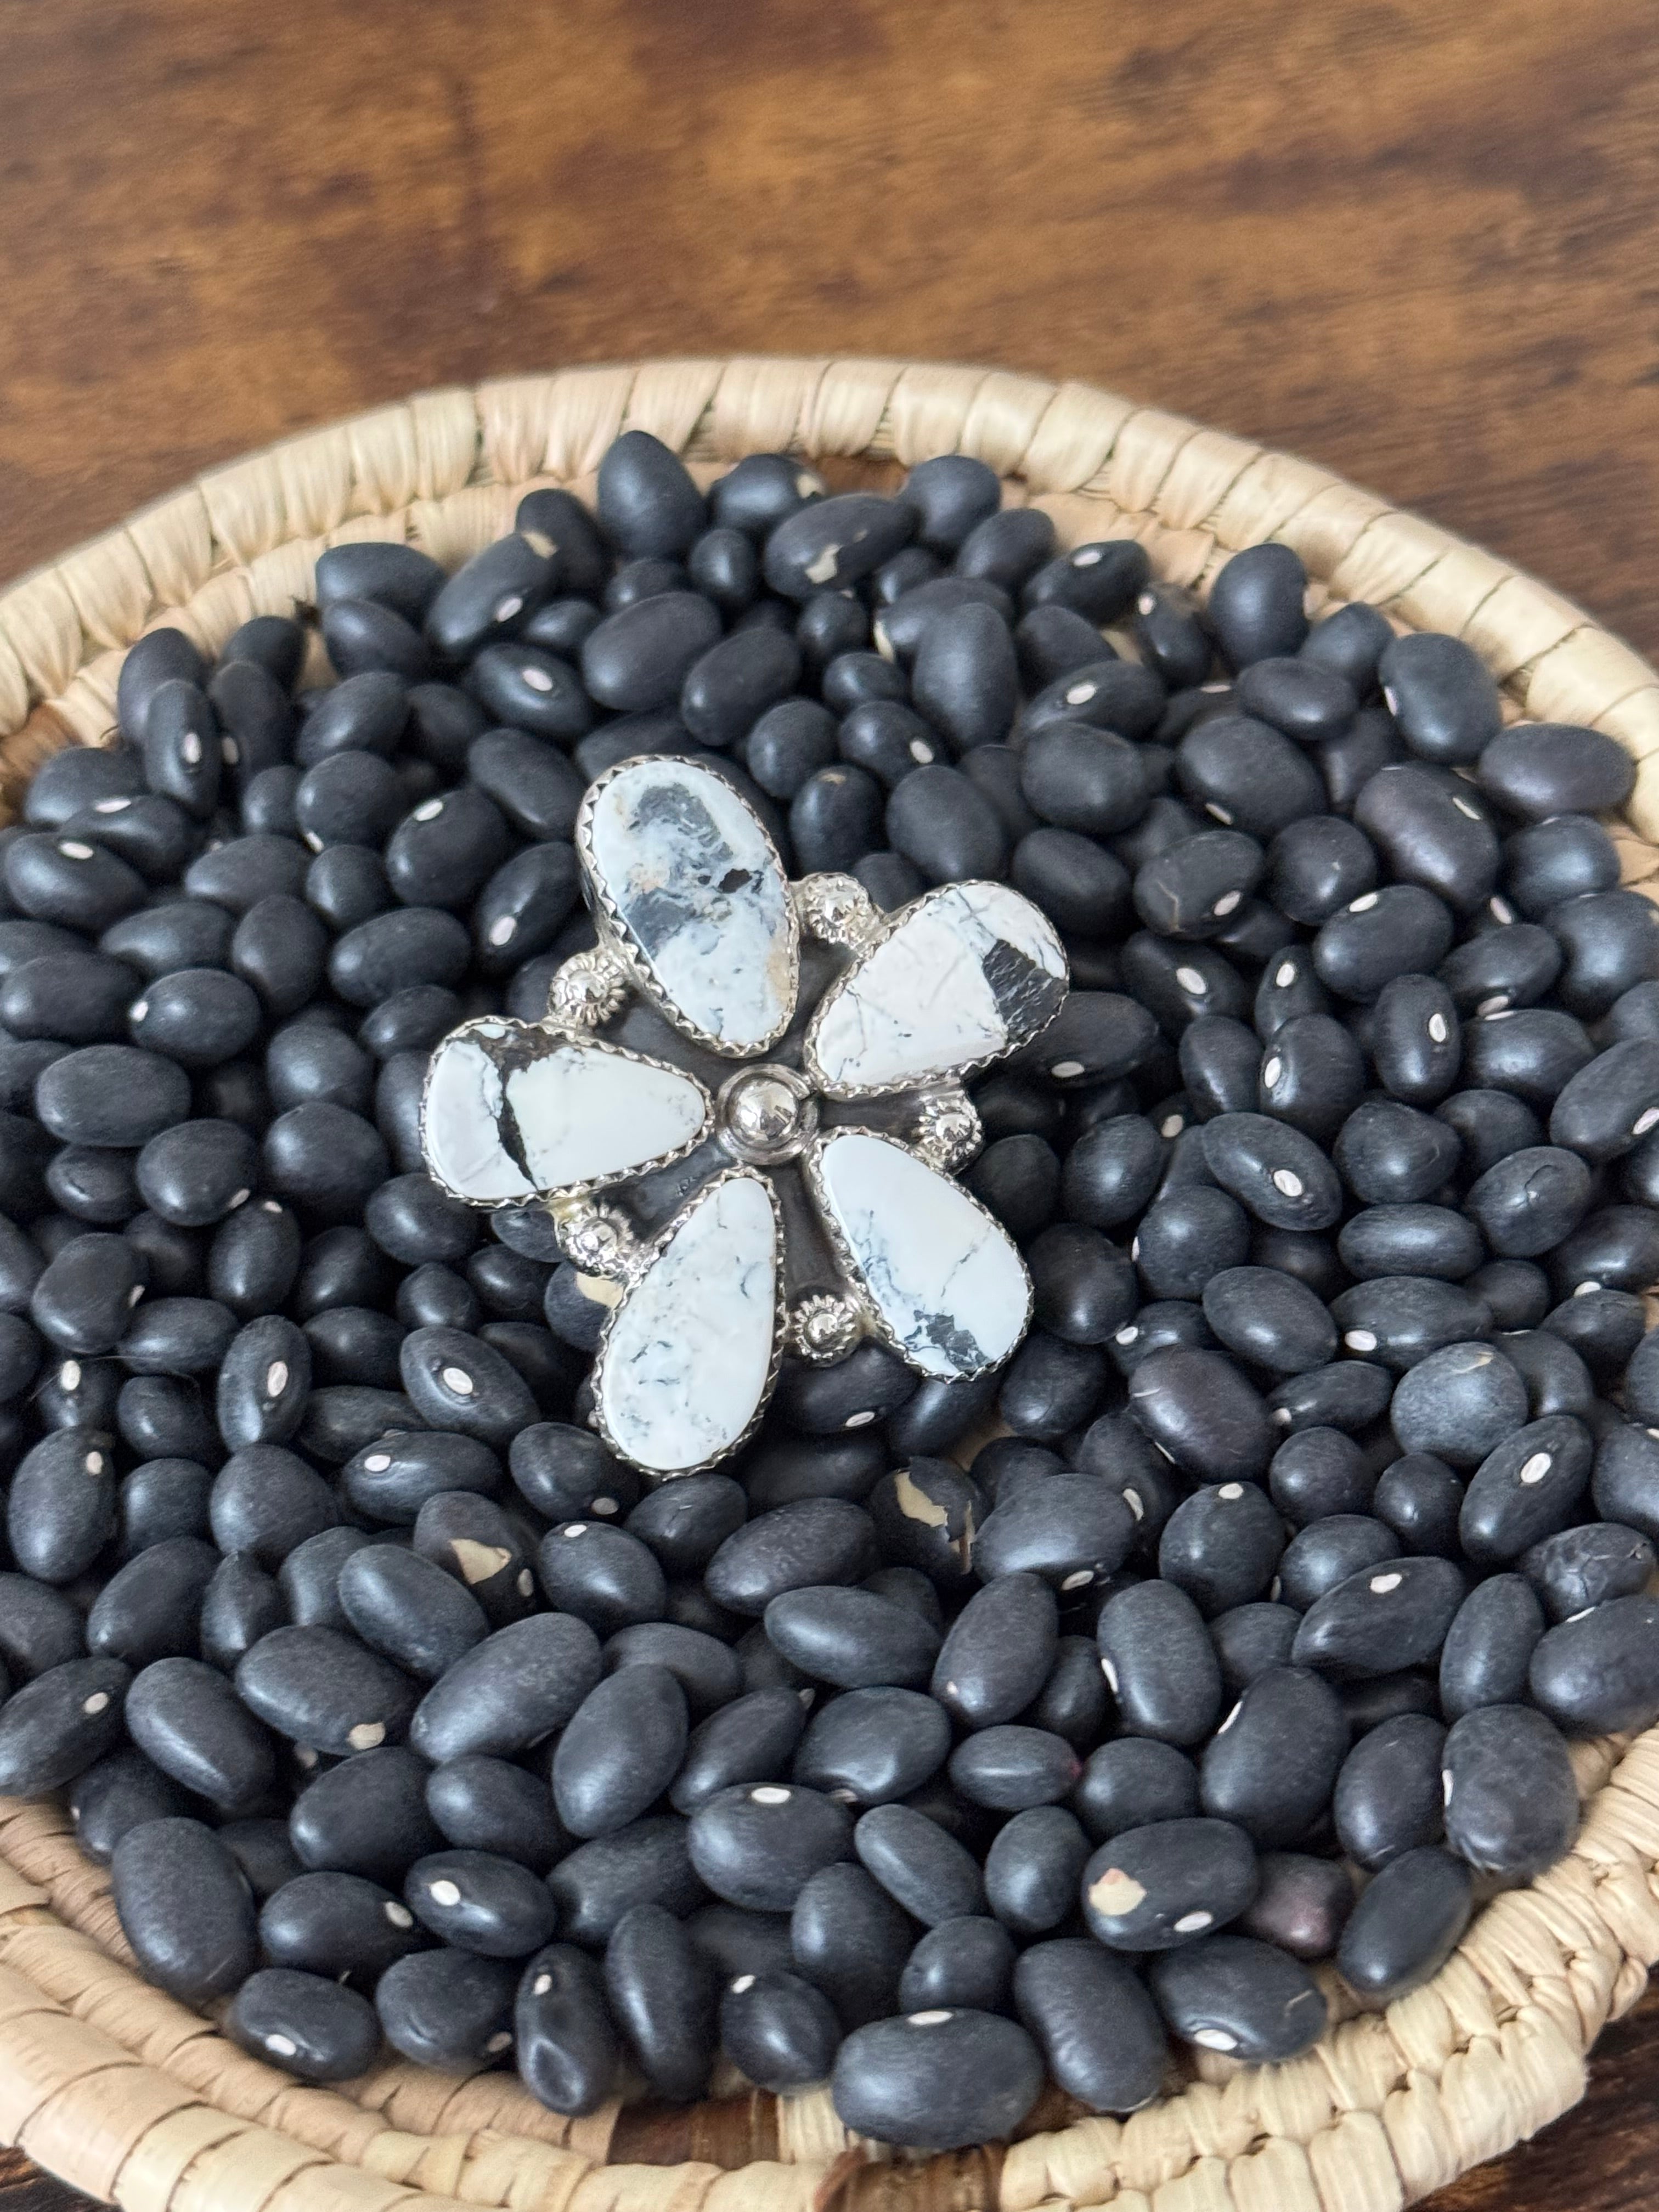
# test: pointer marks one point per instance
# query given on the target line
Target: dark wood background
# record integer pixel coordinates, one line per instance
(1412, 239)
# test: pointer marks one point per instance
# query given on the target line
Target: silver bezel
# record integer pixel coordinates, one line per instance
(877, 1324)
(653, 1253)
(854, 1093)
(613, 932)
(579, 1039)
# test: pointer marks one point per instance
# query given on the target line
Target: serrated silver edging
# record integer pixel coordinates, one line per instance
(653, 1252)
(959, 1072)
(613, 932)
(845, 1258)
(579, 1040)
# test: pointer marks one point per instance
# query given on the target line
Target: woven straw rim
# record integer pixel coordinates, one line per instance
(126, 2093)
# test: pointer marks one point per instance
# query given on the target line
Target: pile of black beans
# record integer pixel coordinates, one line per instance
(1324, 1506)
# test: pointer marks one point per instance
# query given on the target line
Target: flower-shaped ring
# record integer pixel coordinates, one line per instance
(780, 1093)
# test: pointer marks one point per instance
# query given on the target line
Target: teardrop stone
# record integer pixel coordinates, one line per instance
(945, 1277)
(970, 971)
(695, 888)
(512, 1110)
(686, 1362)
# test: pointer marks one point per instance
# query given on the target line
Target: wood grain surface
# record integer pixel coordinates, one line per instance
(1411, 238)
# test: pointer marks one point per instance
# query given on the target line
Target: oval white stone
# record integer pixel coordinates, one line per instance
(699, 894)
(511, 1109)
(683, 1364)
(969, 970)
(945, 1277)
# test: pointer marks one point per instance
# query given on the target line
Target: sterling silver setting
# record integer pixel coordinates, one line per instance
(745, 1107)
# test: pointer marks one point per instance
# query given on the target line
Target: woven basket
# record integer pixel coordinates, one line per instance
(128, 2094)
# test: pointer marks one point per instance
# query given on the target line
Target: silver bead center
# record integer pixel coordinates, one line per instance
(767, 1114)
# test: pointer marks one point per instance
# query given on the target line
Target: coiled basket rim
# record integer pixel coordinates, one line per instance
(132, 2097)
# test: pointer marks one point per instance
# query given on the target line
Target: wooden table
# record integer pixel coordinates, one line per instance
(1412, 238)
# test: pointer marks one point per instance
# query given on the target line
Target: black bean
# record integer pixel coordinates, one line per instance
(1071, 1531)
(1159, 1663)
(482, 1803)
(1256, 604)
(57, 1725)
(120, 1792)
(479, 1902)
(1196, 1406)
(941, 821)
(1398, 1320)
(1274, 1170)
(162, 1499)
(240, 1604)
(1420, 1498)
(1597, 1673)
(1551, 862)
(1410, 1240)
(1388, 1797)
(186, 1717)
(1011, 1768)
(452, 2009)
(1318, 1472)
(1251, 1638)
(937, 2079)
(1400, 930)
(1239, 1996)
(724, 566)
(966, 1962)
(1611, 941)
(565, 2047)
(83, 1299)
(1247, 776)
(620, 1750)
(1301, 1905)
(1269, 1319)
(407, 1608)
(1430, 832)
(1406, 1923)
(1098, 2031)
(61, 1511)
(185, 1909)
(1459, 1403)
(322, 1689)
(519, 1685)
(1299, 695)
(964, 677)
(365, 1818)
(306, 2023)
(662, 1996)
(834, 817)
(1529, 1485)
(111, 1094)
(1083, 779)
(924, 1516)
(1154, 1887)
(1273, 1763)
(778, 2030)
(399, 577)
(1537, 769)
(602, 1575)
(1384, 1618)
(854, 1638)
(149, 1608)
(1511, 1802)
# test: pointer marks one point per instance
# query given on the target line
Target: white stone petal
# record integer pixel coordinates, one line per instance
(686, 1358)
(969, 971)
(692, 885)
(950, 1287)
(513, 1108)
